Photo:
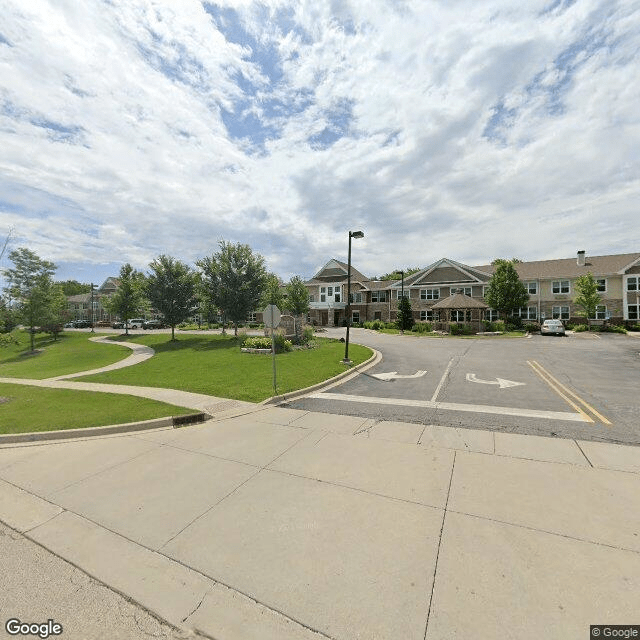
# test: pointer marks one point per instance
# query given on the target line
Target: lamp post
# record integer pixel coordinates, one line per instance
(352, 234)
(401, 299)
(93, 315)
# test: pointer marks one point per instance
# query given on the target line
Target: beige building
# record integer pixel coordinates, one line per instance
(550, 283)
(79, 306)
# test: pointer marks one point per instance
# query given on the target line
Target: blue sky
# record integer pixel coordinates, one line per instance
(471, 130)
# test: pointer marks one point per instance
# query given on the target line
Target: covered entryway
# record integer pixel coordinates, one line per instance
(460, 308)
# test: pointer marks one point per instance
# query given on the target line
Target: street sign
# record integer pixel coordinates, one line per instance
(271, 316)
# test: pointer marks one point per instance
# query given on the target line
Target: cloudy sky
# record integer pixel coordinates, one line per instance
(469, 129)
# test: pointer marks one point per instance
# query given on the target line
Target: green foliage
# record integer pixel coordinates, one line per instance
(578, 328)
(505, 292)
(264, 342)
(405, 315)
(532, 327)
(588, 297)
(396, 275)
(422, 327)
(129, 298)
(74, 288)
(233, 280)
(461, 329)
(31, 287)
(613, 328)
(171, 288)
(272, 293)
(376, 325)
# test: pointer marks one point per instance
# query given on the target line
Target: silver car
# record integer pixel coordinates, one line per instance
(552, 328)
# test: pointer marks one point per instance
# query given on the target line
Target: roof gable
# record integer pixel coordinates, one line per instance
(446, 271)
(336, 270)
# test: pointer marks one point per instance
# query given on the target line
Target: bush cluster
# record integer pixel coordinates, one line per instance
(422, 327)
(264, 342)
(498, 325)
(461, 329)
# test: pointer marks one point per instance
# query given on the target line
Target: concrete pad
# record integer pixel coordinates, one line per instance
(344, 562)
(589, 504)
(154, 496)
(539, 448)
(277, 415)
(612, 456)
(396, 431)
(11, 454)
(156, 582)
(347, 425)
(460, 439)
(500, 581)
(44, 474)
(225, 613)
(23, 511)
(392, 469)
(241, 439)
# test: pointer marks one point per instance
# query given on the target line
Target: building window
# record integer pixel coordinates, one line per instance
(532, 288)
(407, 293)
(465, 290)
(601, 312)
(356, 297)
(377, 315)
(560, 313)
(491, 315)
(528, 313)
(252, 316)
(560, 286)
(632, 311)
(312, 298)
(323, 289)
(458, 315)
(323, 297)
(602, 284)
(355, 316)
(426, 315)
(337, 297)
(378, 296)
(633, 283)
(329, 291)
(429, 294)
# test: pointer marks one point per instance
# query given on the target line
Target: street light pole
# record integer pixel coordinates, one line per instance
(93, 315)
(401, 302)
(352, 234)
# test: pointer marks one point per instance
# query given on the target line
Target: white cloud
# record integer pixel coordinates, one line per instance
(469, 130)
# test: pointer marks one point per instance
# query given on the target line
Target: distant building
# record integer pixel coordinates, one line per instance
(79, 306)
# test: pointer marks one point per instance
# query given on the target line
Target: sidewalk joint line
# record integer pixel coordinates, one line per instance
(435, 568)
(583, 453)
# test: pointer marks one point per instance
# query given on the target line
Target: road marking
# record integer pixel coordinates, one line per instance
(559, 388)
(444, 377)
(392, 375)
(504, 384)
(451, 406)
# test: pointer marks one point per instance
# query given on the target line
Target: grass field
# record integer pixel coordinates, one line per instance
(214, 365)
(27, 409)
(70, 353)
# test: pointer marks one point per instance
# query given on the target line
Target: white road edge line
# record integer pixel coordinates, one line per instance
(452, 406)
(444, 377)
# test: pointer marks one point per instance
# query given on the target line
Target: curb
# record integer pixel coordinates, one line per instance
(341, 377)
(67, 434)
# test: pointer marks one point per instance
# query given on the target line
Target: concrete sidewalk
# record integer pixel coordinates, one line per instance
(291, 525)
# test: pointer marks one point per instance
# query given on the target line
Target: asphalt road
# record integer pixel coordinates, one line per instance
(580, 386)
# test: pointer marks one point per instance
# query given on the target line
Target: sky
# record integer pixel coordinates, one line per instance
(464, 129)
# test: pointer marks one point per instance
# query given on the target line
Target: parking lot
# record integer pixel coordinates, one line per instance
(580, 386)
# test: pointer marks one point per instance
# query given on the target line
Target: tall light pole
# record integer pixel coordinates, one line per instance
(93, 315)
(401, 299)
(352, 234)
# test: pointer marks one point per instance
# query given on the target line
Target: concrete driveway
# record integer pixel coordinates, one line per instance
(291, 525)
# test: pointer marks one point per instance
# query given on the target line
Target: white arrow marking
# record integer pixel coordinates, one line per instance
(391, 375)
(504, 384)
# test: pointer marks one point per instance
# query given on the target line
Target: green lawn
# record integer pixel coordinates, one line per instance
(214, 365)
(70, 353)
(27, 409)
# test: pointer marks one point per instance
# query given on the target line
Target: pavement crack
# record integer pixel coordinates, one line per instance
(196, 608)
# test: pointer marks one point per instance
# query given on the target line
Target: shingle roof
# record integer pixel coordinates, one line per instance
(460, 301)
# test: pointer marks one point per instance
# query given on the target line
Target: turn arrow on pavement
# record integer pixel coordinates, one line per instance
(392, 375)
(503, 384)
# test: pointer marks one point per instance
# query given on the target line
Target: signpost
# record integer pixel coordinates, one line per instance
(271, 317)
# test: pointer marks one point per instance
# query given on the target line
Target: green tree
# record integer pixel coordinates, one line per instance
(297, 301)
(505, 292)
(405, 314)
(588, 297)
(56, 313)
(30, 287)
(74, 288)
(171, 288)
(233, 279)
(396, 275)
(129, 298)
(272, 292)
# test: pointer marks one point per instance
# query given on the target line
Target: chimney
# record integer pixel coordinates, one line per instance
(581, 259)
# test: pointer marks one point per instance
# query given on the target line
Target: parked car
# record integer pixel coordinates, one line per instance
(69, 325)
(82, 324)
(153, 324)
(135, 323)
(552, 328)
(118, 325)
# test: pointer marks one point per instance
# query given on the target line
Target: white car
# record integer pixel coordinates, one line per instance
(552, 328)
(136, 323)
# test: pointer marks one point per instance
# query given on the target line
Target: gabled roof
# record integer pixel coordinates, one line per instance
(452, 272)
(569, 268)
(336, 268)
(460, 301)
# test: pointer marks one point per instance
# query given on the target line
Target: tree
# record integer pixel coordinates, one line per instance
(31, 287)
(405, 314)
(56, 313)
(505, 292)
(171, 289)
(297, 301)
(233, 279)
(588, 297)
(129, 298)
(396, 275)
(272, 293)
(74, 288)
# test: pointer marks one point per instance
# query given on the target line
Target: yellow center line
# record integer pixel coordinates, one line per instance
(558, 387)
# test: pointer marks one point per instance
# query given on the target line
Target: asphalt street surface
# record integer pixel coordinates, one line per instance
(580, 386)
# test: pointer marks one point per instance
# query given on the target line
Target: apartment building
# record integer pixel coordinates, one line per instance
(550, 283)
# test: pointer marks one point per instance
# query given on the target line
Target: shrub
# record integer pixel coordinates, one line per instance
(633, 326)
(307, 335)
(422, 327)
(613, 328)
(460, 329)
(579, 328)
(264, 342)
(532, 327)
